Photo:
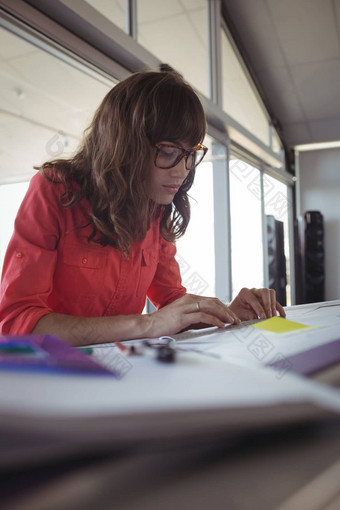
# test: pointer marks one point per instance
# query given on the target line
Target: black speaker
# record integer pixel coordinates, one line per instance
(277, 277)
(314, 257)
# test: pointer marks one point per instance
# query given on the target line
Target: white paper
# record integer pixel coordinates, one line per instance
(250, 346)
(195, 381)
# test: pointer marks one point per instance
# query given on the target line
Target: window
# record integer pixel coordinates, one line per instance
(195, 250)
(177, 33)
(246, 226)
(114, 10)
(276, 142)
(45, 106)
(239, 100)
(11, 196)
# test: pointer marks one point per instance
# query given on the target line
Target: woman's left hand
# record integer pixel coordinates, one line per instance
(256, 304)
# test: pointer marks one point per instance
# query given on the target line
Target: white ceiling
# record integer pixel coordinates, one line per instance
(293, 47)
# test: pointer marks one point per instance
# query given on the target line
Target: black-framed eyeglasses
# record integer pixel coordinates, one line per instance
(168, 156)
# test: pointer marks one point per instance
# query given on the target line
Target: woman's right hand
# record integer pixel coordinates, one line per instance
(190, 310)
(187, 311)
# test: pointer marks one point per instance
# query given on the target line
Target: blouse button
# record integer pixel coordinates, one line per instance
(84, 261)
(19, 254)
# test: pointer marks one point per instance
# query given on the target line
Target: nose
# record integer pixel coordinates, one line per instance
(180, 169)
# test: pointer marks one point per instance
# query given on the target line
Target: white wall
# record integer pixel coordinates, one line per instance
(320, 191)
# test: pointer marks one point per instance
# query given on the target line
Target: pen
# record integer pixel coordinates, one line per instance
(128, 350)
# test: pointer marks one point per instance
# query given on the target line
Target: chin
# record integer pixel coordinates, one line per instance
(167, 202)
(164, 201)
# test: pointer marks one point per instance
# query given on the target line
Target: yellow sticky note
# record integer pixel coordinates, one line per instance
(279, 325)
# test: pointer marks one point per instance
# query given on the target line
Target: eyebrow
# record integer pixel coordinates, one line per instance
(174, 144)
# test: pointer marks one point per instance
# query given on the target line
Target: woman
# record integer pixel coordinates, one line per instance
(95, 233)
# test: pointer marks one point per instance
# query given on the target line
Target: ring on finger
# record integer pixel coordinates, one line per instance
(198, 306)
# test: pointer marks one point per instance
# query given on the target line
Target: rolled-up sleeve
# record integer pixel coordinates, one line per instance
(30, 260)
(167, 285)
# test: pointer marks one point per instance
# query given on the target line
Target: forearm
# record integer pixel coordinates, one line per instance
(93, 330)
(187, 311)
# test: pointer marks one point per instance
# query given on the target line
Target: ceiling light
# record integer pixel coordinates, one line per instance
(317, 146)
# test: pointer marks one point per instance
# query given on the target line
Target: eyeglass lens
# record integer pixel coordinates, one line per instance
(194, 158)
(168, 157)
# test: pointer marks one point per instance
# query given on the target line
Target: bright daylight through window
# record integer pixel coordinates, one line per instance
(43, 116)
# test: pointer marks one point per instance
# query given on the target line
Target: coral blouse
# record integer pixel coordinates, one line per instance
(50, 266)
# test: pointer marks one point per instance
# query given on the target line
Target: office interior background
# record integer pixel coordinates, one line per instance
(267, 72)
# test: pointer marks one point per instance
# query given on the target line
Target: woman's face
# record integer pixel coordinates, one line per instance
(165, 182)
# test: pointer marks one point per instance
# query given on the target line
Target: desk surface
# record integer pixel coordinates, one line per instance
(202, 403)
(221, 377)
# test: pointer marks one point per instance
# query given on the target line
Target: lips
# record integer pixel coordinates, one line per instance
(171, 188)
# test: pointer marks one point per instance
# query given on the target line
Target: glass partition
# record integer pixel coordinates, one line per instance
(11, 196)
(196, 249)
(276, 142)
(45, 104)
(239, 100)
(114, 10)
(177, 33)
(246, 225)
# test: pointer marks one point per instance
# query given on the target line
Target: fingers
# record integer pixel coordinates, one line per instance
(257, 303)
(280, 309)
(192, 310)
(267, 298)
(250, 300)
(269, 303)
(210, 307)
(203, 318)
(187, 311)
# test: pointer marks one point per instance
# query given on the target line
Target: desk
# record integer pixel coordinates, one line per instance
(222, 432)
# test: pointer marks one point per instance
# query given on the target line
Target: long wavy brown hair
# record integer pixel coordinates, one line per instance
(111, 168)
